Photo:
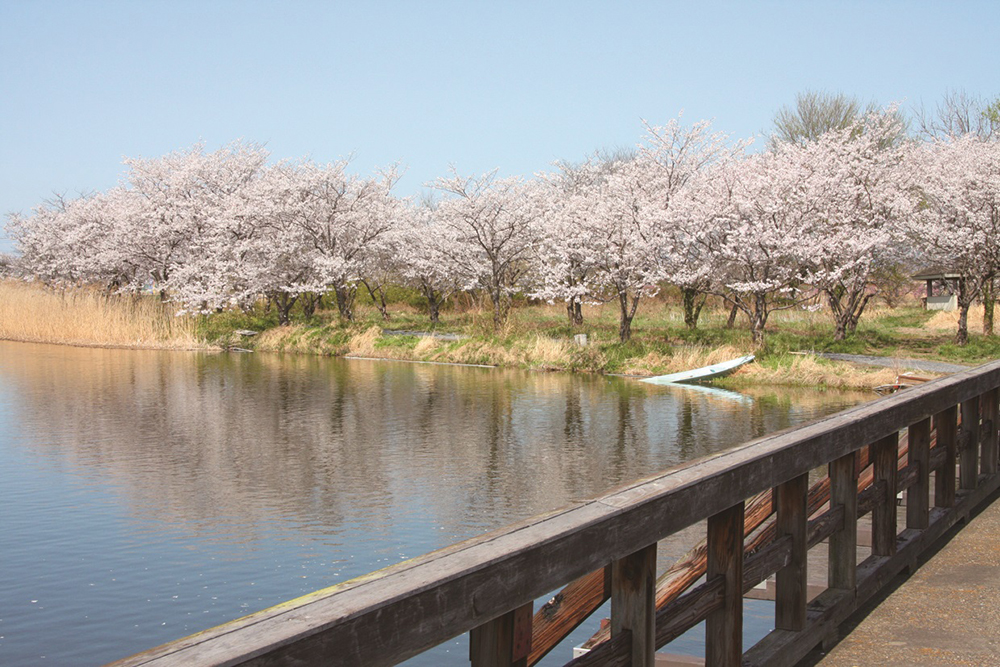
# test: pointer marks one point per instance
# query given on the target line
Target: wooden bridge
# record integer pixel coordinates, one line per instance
(937, 441)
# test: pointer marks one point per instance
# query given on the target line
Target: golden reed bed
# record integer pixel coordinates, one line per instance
(83, 316)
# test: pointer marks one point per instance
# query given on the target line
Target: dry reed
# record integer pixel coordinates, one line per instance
(33, 313)
(947, 320)
(808, 371)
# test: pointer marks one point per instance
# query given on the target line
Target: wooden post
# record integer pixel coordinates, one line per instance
(503, 642)
(917, 499)
(724, 626)
(790, 581)
(947, 438)
(843, 554)
(884, 455)
(969, 439)
(633, 603)
(988, 458)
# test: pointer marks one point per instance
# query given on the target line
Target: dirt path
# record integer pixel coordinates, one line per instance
(893, 362)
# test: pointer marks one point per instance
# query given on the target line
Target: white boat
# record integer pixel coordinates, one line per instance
(701, 374)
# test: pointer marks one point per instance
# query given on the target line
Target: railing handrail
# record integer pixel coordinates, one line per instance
(390, 615)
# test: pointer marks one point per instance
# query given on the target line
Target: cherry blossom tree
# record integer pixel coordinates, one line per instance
(427, 257)
(565, 255)
(758, 237)
(862, 194)
(959, 224)
(344, 218)
(494, 226)
(174, 199)
(674, 156)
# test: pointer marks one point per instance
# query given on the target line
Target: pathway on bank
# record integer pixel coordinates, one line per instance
(893, 362)
(946, 613)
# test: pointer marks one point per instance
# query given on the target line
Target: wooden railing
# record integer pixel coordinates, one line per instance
(606, 548)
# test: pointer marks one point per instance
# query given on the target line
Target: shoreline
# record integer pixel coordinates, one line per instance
(837, 375)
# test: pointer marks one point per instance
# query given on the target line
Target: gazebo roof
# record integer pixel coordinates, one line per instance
(936, 273)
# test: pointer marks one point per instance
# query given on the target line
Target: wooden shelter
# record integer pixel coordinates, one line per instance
(945, 299)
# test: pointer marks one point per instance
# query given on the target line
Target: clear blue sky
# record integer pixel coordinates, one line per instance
(477, 85)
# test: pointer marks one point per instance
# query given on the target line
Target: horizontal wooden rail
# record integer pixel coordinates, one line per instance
(487, 585)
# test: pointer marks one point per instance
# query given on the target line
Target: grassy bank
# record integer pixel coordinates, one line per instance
(31, 313)
(536, 337)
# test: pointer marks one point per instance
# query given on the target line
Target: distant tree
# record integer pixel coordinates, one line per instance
(958, 114)
(493, 222)
(572, 201)
(959, 224)
(675, 157)
(759, 236)
(860, 189)
(8, 265)
(815, 113)
(428, 255)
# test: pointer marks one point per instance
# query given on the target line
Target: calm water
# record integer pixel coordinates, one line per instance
(145, 496)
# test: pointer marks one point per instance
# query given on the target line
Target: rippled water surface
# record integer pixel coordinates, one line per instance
(149, 495)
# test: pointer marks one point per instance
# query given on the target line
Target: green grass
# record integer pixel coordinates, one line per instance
(539, 336)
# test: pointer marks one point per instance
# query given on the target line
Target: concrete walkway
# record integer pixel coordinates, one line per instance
(946, 613)
(892, 362)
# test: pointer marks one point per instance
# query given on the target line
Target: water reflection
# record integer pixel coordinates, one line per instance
(331, 466)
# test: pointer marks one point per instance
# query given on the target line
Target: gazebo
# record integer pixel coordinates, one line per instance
(946, 299)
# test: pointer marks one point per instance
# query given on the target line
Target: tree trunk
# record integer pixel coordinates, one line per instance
(758, 319)
(434, 301)
(284, 303)
(378, 298)
(501, 308)
(733, 311)
(964, 302)
(692, 307)
(989, 302)
(309, 304)
(628, 307)
(574, 312)
(345, 301)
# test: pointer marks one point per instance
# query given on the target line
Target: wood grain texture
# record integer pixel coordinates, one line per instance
(790, 581)
(633, 605)
(567, 610)
(969, 444)
(724, 626)
(885, 463)
(917, 495)
(843, 553)
(988, 437)
(946, 435)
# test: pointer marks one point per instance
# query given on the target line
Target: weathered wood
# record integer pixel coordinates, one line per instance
(885, 462)
(988, 437)
(765, 562)
(843, 553)
(558, 617)
(688, 610)
(825, 525)
(691, 567)
(724, 626)
(917, 495)
(946, 434)
(394, 614)
(503, 642)
(829, 609)
(633, 606)
(969, 441)
(790, 581)
(612, 653)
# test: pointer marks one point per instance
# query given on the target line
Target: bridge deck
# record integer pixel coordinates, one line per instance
(946, 613)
